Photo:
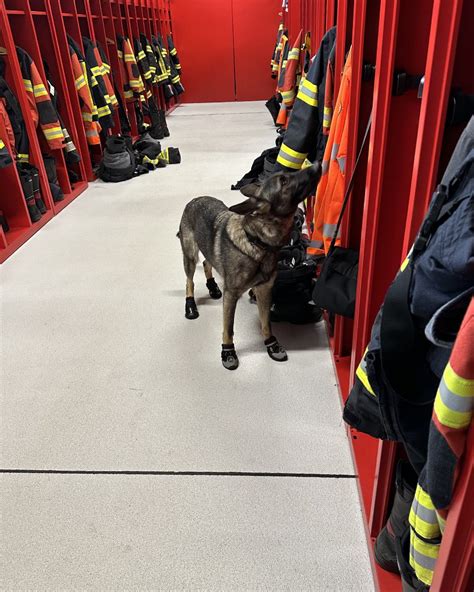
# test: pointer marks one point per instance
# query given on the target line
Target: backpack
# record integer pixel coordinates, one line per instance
(118, 163)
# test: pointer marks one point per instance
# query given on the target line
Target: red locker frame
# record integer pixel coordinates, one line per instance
(391, 194)
(41, 28)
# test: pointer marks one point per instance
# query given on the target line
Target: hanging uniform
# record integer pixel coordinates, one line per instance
(41, 107)
(144, 66)
(276, 52)
(330, 192)
(288, 88)
(304, 138)
(21, 144)
(175, 66)
(89, 110)
(452, 417)
(151, 58)
(165, 67)
(133, 83)
(397, 379)
(99, 90)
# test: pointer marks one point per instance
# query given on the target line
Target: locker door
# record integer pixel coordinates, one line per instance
(204, 38)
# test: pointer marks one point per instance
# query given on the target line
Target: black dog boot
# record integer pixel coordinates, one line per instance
(214, 291)
(229, 357)
(397, 523)
(190, 309)
(275, 350)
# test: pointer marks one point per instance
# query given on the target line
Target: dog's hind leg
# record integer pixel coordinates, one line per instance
(190, 260)
(263, 293)
(214, 291)
(229, 355)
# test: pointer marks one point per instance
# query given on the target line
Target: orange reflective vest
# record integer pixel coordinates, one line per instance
(330, 193)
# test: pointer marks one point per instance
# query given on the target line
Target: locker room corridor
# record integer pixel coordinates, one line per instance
(120, 426)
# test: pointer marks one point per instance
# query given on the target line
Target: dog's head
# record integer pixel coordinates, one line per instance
(280, 194)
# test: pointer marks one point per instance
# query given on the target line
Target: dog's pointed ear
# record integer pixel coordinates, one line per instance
(244, 207)
(251, 190)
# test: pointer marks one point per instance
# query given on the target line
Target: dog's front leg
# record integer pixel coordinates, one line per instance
(263, 293)
(229, 355)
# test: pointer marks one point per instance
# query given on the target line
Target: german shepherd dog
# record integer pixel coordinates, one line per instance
(242, 244)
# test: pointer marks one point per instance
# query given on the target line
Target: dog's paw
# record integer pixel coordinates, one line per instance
(275, 350)
(214, 291)
(190, 310)
(230, 361)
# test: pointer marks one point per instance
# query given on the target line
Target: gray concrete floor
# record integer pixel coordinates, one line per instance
(102, 373)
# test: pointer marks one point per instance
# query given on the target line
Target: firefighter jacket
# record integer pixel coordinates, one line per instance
(175, 67)
(288, 88)
(104, 72)
(165, 65)
(12, 108)
(5, 158)
(304, 137)
(89, 110)
(276, 52)
(151, 58)
(174, 77)
(133, 82)
(144, 66)
(41, 108)
(397, 379)
(162, 70)
(330, 192)
(99, 89)
(452, 417)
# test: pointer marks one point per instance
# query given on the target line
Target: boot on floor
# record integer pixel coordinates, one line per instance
(397, 524)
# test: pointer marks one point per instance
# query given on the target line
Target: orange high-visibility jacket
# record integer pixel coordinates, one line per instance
(41, 108)
(330, 193)
(90, 114)
(288, 88)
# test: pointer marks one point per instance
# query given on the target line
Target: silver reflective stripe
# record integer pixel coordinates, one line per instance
(325, 167)
(334, 151)
(342, 163)
(452, 401)
(307, 92)
(424, 513)
(316, 244)
(330, 229)
(287, 156)
(423, 560)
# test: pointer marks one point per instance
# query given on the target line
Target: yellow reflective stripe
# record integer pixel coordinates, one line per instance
(310, 86)
(53, 133)
(39, 90)
(362, 376)
(80, 82)
(405, 264)
(28, 85)
(102, 111)
(23, 157)
(128, 94)
(141, 55)
(136, 84)
(448, 417)
(95, 70)
(311, 102)
(299, 155)
(129, 57)
(93, 81)
(120, 53)
(294, 54)
(463, 387)
(173, 52)
(175, 79)
(87, 116)
(2, 145)
(292, 165)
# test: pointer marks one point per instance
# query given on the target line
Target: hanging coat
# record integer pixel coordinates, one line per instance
(173, 54)
(304, 137)
(89, 110)
(276, 52)
(133, 83)
(169, 88)
(11, 107)
(99, 90)
(42, 111)
(151, 58)
(397, 379)
(330, 192)
(288, 88)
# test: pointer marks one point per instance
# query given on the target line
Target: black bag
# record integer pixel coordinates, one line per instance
(118, 163)
(335, 289)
